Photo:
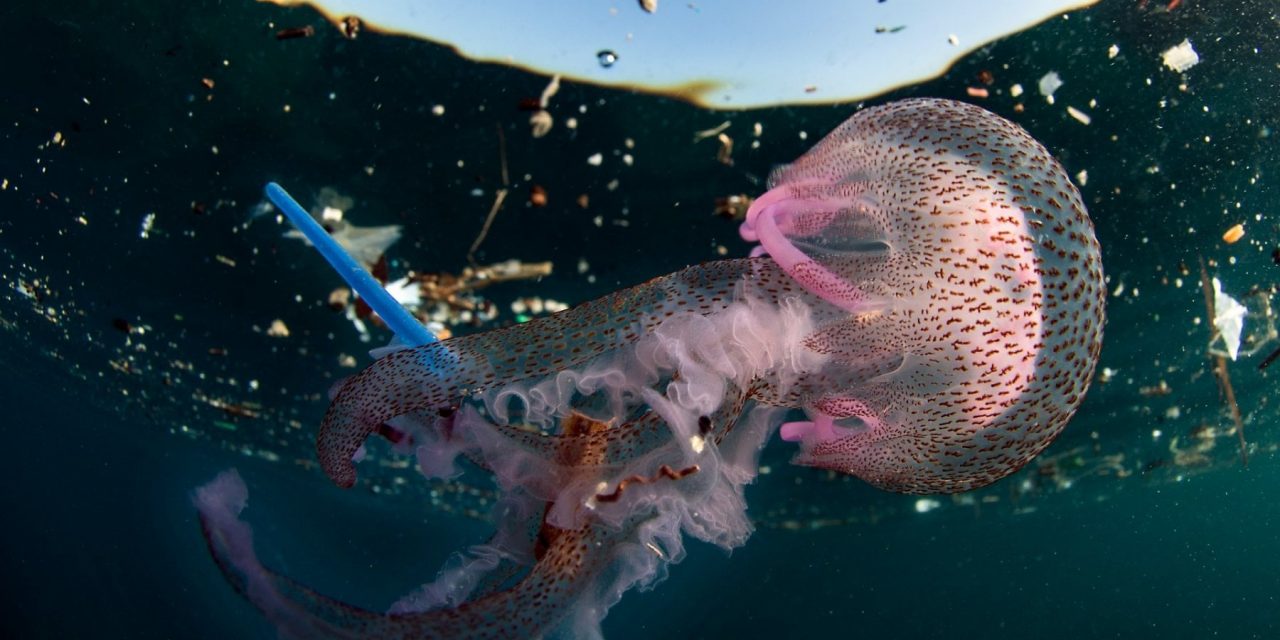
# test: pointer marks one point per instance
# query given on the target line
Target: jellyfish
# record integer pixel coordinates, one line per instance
(927, 290)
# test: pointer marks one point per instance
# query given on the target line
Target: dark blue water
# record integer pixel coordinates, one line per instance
(111, 429)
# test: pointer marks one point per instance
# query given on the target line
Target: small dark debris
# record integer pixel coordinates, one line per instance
(121, 325)
(350, 27)
(296, 32)
(733, 207)
(381, 270)
(1266, 362)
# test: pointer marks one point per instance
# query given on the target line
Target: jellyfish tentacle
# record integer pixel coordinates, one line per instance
(795, 221)
(570, 561)
(439, 375)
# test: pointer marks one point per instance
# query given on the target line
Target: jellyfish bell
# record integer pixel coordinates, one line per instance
(720, 54)
(971, 274)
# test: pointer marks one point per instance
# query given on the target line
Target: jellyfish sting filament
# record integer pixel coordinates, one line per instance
(927, 289)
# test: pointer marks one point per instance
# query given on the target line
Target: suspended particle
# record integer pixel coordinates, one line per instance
(1080, 116)
(541, 122)
(607, 58)
(537, 196)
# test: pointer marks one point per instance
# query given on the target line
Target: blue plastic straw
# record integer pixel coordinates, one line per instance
(405, 326)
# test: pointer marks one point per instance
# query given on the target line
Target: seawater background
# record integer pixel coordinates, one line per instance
(99, 538)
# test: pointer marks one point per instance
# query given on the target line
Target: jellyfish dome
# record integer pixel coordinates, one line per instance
(972, 282)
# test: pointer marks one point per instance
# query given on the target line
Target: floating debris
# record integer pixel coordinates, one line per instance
(712, 132)
(296, 32)
(1050, 83)
(1266, 362)
(339, 298)
(234, 409)
(725, 153)
(1228, 319)
(733, 207)
(540, 123)
(1080, 116)
(451, 298)
(1233, 235)
(925, 505)
(541, 120)
(1156, 390)
(1181, 57)
(537, 196)
(350, 27)
(148, 223)
(366, 244)
(278, 329)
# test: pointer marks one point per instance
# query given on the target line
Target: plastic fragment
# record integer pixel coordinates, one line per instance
(1228, 319)
(1049, 83)
(1180, 57)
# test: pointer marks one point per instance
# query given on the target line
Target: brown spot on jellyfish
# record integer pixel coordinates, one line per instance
(927, 289)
